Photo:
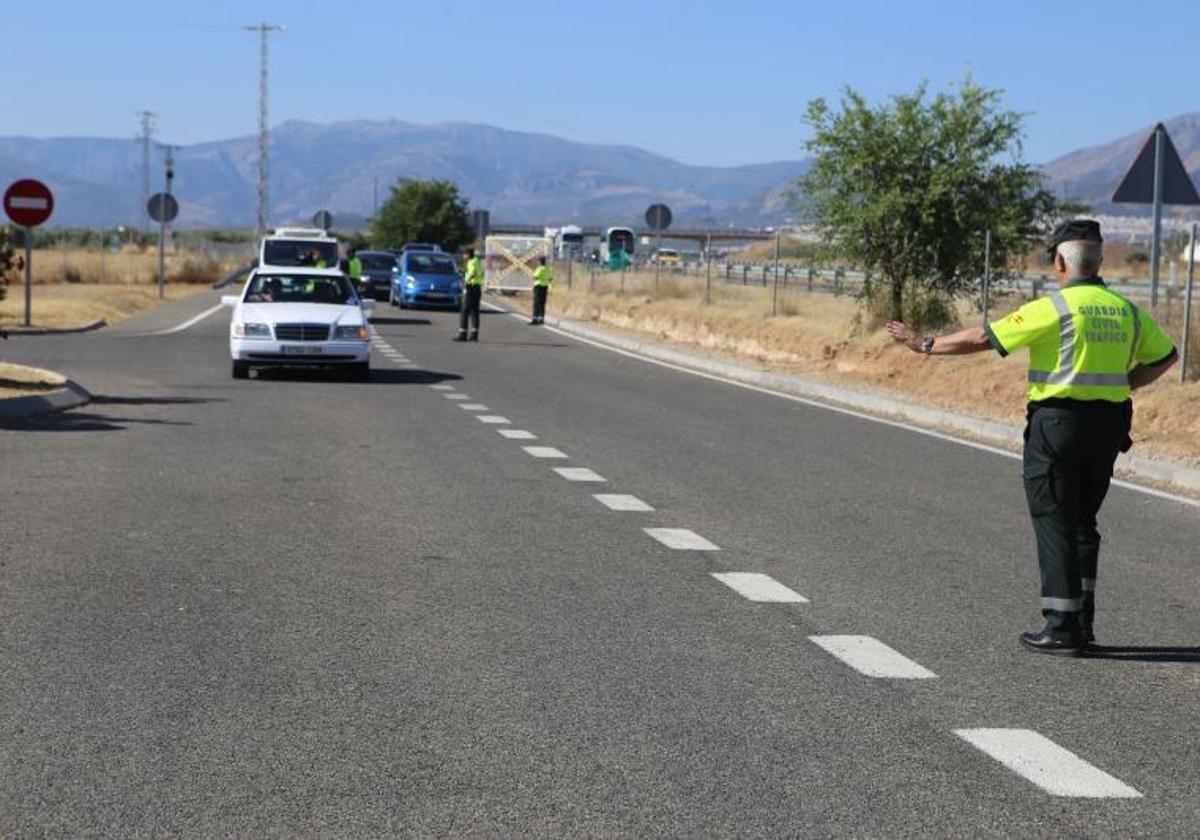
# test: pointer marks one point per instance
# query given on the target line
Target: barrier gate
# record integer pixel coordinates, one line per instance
(509, 261)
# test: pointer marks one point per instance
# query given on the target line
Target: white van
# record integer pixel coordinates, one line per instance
(298, 248)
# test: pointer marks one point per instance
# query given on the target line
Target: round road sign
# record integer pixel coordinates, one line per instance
(658, 216)
(28, 202)
(323, 219)
(162, 207)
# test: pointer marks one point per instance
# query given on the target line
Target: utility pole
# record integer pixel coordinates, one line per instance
(264, 30)
(147, 131)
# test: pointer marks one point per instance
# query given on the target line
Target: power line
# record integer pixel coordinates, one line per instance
(264, 30)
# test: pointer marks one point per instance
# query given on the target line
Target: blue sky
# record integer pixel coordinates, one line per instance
(709, 83)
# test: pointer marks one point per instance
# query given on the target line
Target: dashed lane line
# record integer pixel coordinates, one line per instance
(456, 396)
(681, 539)
(442, 387)
(754, 586)
(622, 502)
(869, 656)
(544, 452)
(493, 419)
(473, 406)
(517, 434)
(1054, 769)
(579, 474)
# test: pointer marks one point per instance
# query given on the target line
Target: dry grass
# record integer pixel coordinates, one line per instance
(131, 266)
(819, 336)
(63, 305)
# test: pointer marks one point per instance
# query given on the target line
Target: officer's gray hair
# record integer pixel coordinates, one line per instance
(1082, 256)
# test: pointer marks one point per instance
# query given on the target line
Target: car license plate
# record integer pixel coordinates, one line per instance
(300, 350)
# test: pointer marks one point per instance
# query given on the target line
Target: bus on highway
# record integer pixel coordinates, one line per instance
(616, 247)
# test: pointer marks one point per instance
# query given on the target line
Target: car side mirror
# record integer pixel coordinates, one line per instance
(230, 300)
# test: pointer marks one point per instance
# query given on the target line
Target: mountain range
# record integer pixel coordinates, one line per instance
(520, 177)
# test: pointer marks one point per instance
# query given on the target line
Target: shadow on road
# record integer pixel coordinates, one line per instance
(105, 399)
(1144, 654)
(74, 421)
(401, 321)
(379, 376)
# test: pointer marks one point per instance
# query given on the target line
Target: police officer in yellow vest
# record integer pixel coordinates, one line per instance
(1088, 349)
(354, 268)
(541, 289)
(472, 296)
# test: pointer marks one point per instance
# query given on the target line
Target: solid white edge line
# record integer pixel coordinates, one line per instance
(982, 447)
(190, 322)
(1054, 769)
(760, 588)
(869, 656)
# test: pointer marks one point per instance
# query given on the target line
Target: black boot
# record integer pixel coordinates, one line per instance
(473, 337)
(460, 337)
(1053, 642)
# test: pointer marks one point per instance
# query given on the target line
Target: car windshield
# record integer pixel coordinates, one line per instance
(377, 262)
(430, 263)
(300, 252)
(299, 288)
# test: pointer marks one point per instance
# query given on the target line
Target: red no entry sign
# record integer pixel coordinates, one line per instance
(28, 202)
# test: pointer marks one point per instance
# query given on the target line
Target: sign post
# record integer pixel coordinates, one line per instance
(28, 203)
(658, 217)
(1157, 177)
(1187, 305)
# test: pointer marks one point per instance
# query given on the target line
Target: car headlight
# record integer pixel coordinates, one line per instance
(359, 333)
(251, 331)
(410, 280)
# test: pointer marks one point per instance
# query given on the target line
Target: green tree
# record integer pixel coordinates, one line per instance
(422, 211)
(8, 260)
(906, 190)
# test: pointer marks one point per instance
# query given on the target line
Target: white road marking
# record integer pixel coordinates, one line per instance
(579, 474)
(681, 539)
(190, 322)
(494, 419)
(896, 424)
(872, 657)
(759, 587)
(473, 406)
(621, 501)
(1055, 770)
(442, 387)
(517, 434)
(456, 396)
(409, 365)
(544, 452)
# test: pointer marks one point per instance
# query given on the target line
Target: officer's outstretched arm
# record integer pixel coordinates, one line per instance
(970, 340)
(1143, 375)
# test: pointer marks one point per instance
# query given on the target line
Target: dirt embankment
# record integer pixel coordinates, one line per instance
(818, 336)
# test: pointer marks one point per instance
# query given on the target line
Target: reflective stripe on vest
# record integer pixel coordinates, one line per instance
(1070, 377)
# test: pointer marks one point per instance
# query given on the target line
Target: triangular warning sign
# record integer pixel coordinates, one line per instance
(1137, 187)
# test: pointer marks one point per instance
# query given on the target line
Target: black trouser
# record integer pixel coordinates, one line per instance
(1070, 447)
(470, 309)
(539, 302)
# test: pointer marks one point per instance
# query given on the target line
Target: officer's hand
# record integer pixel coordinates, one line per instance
(901, 333)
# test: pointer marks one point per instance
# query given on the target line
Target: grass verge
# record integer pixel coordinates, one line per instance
(69, 305)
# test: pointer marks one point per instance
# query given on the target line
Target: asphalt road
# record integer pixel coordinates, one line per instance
(299, 606)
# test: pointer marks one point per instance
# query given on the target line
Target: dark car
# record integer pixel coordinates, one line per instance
(426, 278)
(378, 269)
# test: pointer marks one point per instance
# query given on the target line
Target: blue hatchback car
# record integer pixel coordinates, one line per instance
(426, 278)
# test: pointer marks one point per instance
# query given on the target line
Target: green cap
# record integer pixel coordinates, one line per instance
(1088, 229)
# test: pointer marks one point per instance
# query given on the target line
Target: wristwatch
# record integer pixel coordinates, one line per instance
(927, 344)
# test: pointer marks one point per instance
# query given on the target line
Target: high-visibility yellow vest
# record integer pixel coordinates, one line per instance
(354, 268)
(474, 275)
(1083, 340)
(541, 276)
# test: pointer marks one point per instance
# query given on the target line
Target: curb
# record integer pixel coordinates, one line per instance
(94, 325)
(71, 395)
(1003, 434)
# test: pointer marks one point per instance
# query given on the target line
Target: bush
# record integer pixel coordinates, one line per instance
(71, 274)
(199, 270)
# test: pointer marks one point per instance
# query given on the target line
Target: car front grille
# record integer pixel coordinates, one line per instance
(302, 332)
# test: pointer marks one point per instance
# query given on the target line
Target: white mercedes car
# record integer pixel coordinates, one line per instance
(299, 317)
